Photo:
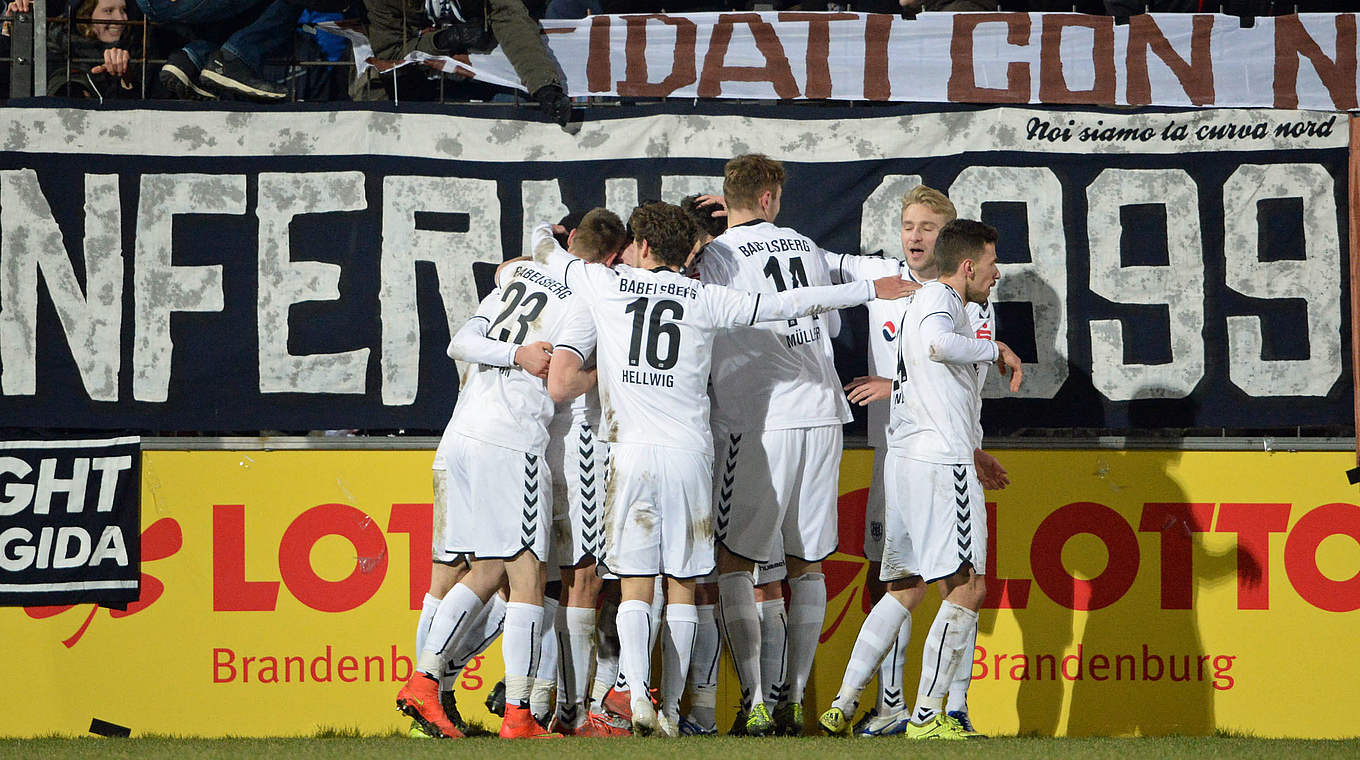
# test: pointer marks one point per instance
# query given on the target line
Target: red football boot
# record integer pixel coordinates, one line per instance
(519, 723)
(419, 698)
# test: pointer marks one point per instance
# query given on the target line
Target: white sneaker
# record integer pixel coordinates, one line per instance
(667, 727)
(644, 717)
(885, 725)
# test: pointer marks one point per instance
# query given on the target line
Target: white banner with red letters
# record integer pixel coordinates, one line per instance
(1301, 61)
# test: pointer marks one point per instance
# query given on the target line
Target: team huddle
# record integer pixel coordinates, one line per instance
(654, 411)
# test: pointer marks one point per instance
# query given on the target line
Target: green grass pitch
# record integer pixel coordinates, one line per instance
(336, 745)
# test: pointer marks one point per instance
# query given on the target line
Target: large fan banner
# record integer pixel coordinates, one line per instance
(220, 271)
(1172, 59)
(70, 521)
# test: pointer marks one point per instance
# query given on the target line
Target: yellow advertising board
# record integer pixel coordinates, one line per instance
(1134, 592)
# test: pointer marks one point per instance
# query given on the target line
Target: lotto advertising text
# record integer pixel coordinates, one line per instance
(1148, 592)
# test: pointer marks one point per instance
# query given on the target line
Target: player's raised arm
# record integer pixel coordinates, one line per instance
(846, 267)
(471, 344)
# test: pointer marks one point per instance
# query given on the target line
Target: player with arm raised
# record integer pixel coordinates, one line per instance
(935, 523)
(652, 331)
(499, 491)
(779, 400)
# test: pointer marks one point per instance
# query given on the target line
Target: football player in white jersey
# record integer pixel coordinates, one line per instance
(924, 211)
(935, 523)
(779, 400)
(499, 491)
(644, 317)
(578, 458)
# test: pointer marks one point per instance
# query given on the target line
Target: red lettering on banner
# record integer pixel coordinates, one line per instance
(1253, 524)
(1196, 77)
(877, 83)
(295, 564)
(415, 521)
(776, 70)
(1052, 83)
(962, 77)
(231, 591)
(324, 675)
(634, 82)
(598, 71)
(346, 668)
(1002, 593)
(1300, 557)
(1176, 523)
(1045, 556)
(471, 681)
(222, 661)
(818, 58)
(1338, 76)
(404, 674)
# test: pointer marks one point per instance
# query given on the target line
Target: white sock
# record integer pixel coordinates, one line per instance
(545, 679)
(575, 637)
(807, 612)
(741, 628)
(963, 677)
(520, 647)
(456, 612)
(876, 636)
(682, 623)
(774, 649)
(427, 610)
(606, 652)
(635, 658)
(658, 605)
(940, 657)
(890, 695)
(703, 669)
(484, 629)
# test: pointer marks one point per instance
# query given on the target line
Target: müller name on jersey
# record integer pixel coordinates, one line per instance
(774, 246)
(548, 283)
(636, 377)
(646, 288)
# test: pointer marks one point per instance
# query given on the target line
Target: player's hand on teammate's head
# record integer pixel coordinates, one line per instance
(1009, 364)
(534, 358)
(867, 389)
(714, 200)
(893, 286)
(991, 474)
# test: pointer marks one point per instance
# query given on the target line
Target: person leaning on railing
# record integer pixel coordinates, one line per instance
(453, 27)
(81, 73)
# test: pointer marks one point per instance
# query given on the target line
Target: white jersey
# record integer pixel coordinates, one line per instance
(653, 333)
(779, 375)
(937, 388)
(505, 405)
(885, 320)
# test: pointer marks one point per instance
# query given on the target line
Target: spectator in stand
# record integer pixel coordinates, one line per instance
(203, 70)
(99, 64)
(399, 27)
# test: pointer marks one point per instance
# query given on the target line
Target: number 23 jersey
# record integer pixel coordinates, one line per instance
(508, 406)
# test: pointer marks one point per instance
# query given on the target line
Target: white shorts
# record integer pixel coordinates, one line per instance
(658, 512)
(440, 521)
(787, 478)
(936, 520)
(874, 508)
(500, 499)
(578, 464)
(777, 569)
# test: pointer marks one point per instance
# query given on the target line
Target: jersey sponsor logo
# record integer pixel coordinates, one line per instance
(890, 331)
(984, 333)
